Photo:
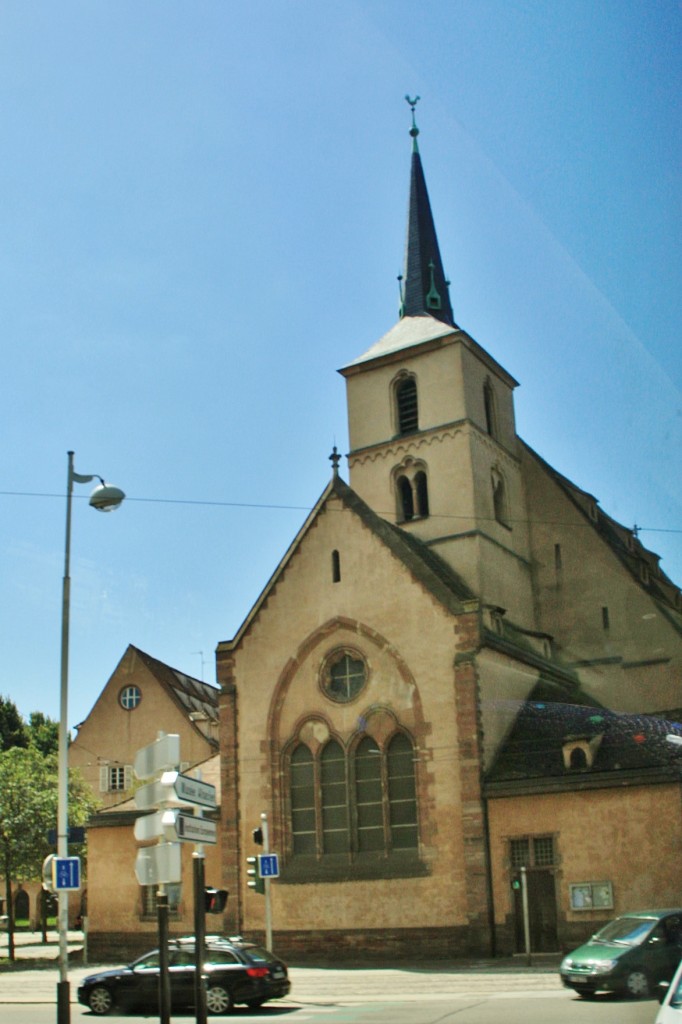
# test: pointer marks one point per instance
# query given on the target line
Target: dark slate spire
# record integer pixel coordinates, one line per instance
(424, 288)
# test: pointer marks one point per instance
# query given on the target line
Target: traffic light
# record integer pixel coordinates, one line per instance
(215, 900)
(255, 882)
(258, 836)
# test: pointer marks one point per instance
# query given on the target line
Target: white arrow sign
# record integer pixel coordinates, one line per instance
(156, 794)
(161, 863)
(149, 827)
(188, 828)
(163, 753)
(194, 791)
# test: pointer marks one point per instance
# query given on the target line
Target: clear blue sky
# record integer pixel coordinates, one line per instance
(203, 217)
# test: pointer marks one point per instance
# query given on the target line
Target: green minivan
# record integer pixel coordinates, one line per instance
(629, 955)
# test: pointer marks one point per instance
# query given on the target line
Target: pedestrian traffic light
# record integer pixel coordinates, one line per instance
(215, 900)
(258, 836)
(255, 882)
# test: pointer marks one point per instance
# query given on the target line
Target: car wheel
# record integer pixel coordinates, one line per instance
(255, 1004)
(218, 1000)
(100, 1000)
(637, 985)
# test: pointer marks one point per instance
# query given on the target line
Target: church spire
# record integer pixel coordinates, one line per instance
(424, 289)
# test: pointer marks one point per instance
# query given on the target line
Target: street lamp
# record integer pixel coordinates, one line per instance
(104, 498)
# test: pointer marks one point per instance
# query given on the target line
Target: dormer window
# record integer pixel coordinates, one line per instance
(580, 752)
(406, 405)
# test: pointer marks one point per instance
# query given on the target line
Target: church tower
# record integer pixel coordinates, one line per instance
(433, 445)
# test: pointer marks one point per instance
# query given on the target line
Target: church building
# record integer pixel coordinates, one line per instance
(455, 689)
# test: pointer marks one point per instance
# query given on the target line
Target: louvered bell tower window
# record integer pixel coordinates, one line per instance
(406, 398)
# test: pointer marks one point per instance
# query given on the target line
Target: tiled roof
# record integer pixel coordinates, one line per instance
(641, 563)
(193, 695)
(540, 728)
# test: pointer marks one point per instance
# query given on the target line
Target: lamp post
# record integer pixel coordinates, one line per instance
(105, 498)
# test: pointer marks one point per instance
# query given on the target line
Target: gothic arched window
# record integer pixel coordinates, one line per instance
(490, 410)
(405, 499)
(334, 789)
(302, 789)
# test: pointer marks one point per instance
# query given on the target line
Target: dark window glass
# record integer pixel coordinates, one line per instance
(336, 567)
(406, 396)
(335, 834)
(303, 801)
(402, 794)
(368, 796)
(405, 498)
(346, 678)
(489, 403)
(422, 493)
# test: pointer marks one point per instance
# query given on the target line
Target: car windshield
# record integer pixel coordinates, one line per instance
(148, 962)
(629, 931)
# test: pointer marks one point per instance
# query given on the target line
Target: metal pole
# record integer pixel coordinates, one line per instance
(268, 902)
(199, 936)
(164, 977)
(526, 917)
(63, 994)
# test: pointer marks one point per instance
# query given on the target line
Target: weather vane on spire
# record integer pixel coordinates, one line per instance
(414, 131)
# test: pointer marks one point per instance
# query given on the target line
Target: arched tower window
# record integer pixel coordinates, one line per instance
(422, 490)
(405, 499)
(490, 410)
(412, 492)
(500, 498)
(406, 403)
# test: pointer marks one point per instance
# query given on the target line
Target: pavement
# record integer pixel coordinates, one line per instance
(33, 977)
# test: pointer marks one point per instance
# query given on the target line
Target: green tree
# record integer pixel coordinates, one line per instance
(12, 726)
(28, 809)
(43, 733)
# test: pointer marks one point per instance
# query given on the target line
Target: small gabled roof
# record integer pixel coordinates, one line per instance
(424, 565)
(193, 696)
(641, 563)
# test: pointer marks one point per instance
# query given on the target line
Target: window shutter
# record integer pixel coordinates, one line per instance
(104, 779)
(128, 777)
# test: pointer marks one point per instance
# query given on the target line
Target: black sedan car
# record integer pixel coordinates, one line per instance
(236, 972)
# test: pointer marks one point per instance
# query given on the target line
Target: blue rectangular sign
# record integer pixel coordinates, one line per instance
(66, 873)
(268, 865)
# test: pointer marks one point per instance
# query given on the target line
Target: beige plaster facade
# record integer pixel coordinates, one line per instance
(142, 697)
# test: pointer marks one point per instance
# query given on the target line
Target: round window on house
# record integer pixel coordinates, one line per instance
(130, 697)
(344, 675)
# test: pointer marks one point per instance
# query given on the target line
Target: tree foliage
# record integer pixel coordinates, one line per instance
(12, 726)
(28, 810)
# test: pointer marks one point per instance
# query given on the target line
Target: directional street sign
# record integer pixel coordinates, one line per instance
(189, 828)
(160, 755)
(158, 793)
(149, 827)
(268, 865)
(193, 791)
(160, 863)
(66, 874)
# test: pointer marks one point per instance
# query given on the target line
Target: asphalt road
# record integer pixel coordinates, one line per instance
(518, 1008)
